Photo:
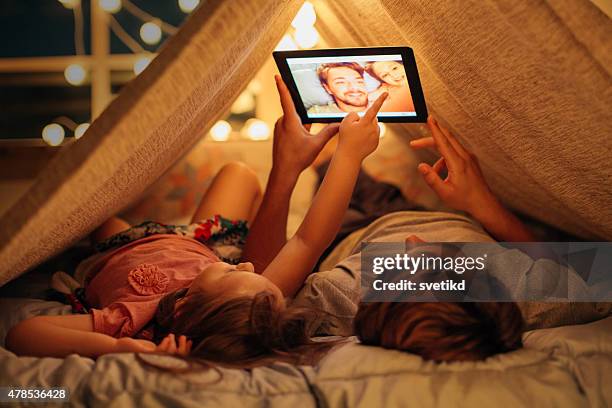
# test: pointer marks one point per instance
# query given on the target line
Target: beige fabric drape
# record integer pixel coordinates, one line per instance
(524, 83)
(153, 122)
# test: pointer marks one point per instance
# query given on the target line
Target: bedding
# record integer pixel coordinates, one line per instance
(565, 366)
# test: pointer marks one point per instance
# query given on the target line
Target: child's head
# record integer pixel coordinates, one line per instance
(442, 331)
(235, 317)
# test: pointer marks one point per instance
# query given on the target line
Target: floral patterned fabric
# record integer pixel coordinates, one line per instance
(225, 237)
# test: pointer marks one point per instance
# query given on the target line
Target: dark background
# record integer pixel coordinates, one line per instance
(39, 28)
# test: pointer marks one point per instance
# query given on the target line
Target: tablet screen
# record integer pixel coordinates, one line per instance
(330, 87)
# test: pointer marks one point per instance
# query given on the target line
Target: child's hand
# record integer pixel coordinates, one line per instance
(359, 136)
(295, 148)
(130, 345)
(170, 345)
(464, 188)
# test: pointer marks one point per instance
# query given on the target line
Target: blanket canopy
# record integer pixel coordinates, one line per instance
(524, 84)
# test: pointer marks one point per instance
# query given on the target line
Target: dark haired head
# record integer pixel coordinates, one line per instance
(442, 331)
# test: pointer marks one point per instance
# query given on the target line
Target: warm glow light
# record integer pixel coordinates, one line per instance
(221, 131)
(254, 87)
(80, 130)
(111, 6)
(306, 37)
(75, 74)
(244, 103)
(70, 4)
(257, 129)
(286, 44)
(150, 33)
(141, 63)
(382, 128)
(53, 134)
(306, 17)
(187, 6)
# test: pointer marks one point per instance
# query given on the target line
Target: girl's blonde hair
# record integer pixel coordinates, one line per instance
(240, 332)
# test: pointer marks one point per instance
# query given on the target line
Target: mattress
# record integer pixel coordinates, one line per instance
(564, 366)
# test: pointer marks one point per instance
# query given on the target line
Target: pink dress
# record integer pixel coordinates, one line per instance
(127, 283)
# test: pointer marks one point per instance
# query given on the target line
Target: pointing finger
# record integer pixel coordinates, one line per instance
(351, 117)
(373, 110)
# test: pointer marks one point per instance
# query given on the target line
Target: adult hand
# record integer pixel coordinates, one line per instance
(464, 188)
(295, 148)
(359, 136)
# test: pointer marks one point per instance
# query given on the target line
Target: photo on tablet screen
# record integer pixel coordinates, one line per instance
(334, 86)
(327, 84)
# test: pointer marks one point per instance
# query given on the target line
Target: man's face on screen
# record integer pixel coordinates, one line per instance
(348, 86)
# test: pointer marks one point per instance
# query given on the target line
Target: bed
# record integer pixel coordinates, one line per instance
(564, 366)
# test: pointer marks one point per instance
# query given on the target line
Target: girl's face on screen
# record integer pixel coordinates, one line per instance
(392, 72)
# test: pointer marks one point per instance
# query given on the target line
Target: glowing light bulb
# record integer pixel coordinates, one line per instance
(80, 130)
(383, 129)
(221, 131)
(141, 63)
(286, 44)
(70, 4)
(187, 6)
(53, 134)
(306, 37)
(257, 129)
(306, 17)
(75, 74)
(244, 103)
(110, 6)
(150, 33)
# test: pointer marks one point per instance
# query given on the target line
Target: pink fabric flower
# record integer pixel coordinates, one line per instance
(147, 279)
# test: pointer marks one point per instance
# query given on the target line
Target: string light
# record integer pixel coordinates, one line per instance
(221, 131)
(256, 129)
(187, 6)
(53, 134)
(80, 130)
(306, 37)
(110, 6)
(70, 4)
(150, 33)
(141, 63)
(75, 74)
(244, 103)
(304, 18)
(383, 129)
(286, 44)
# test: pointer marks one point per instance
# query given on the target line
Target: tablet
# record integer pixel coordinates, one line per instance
(327, 84)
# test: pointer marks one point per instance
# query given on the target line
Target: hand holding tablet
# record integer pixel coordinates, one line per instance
(326, 85)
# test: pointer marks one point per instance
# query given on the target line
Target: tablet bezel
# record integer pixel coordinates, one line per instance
(280, 57)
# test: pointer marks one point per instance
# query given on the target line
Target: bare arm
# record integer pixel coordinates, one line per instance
(268, 232)
(294, 149)
(358, 138)
(465, 187)
(60, 336)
